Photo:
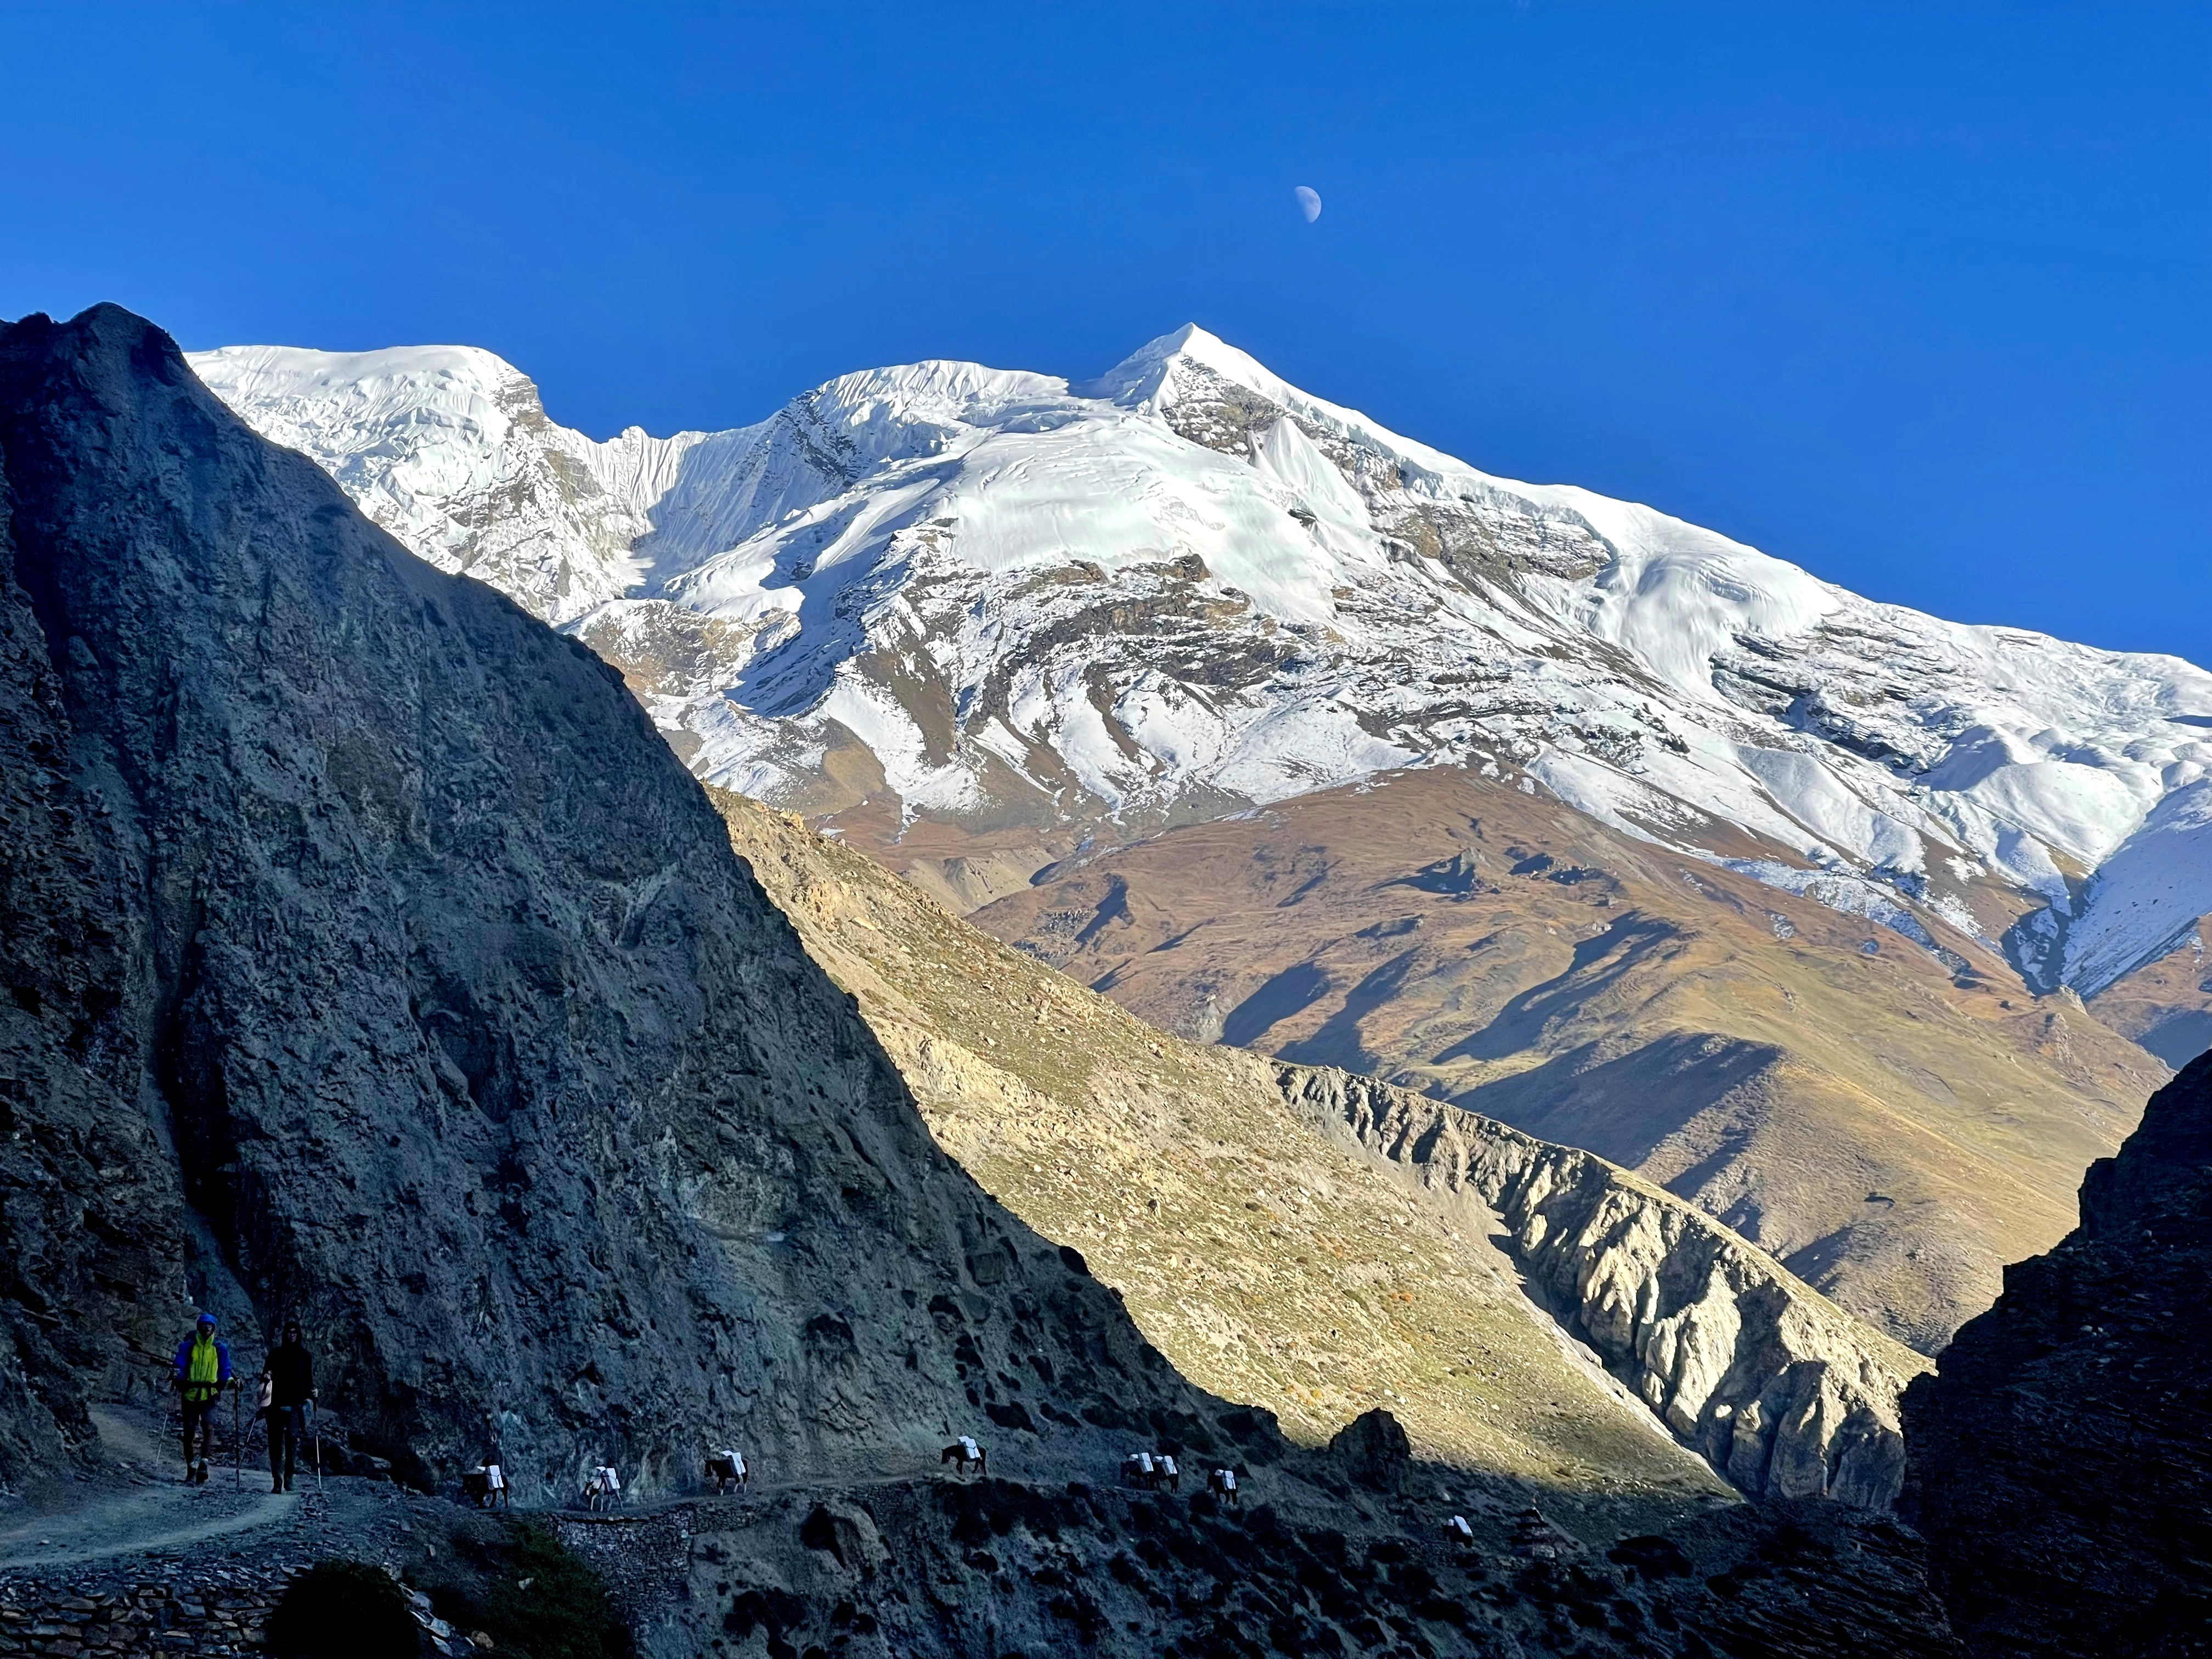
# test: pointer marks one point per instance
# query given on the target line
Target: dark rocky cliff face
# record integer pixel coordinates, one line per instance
(368, 959)
(2060, 1460)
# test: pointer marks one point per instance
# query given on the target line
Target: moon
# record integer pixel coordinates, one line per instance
(1309, 202)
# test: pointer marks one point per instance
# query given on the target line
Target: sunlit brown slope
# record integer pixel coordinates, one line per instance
(2166, 1005)
(1306, 1242)
(1266, 1263)
(1893, 1128)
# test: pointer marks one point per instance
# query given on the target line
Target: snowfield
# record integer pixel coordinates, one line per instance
(1188, 588)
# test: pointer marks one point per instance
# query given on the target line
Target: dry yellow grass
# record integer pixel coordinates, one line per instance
(1270, 1265)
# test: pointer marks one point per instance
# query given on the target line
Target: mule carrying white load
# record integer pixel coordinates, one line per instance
(603, 1489)
(486, 1484)
(727, 1468)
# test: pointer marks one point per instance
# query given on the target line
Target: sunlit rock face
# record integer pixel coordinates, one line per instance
(1782, 1392)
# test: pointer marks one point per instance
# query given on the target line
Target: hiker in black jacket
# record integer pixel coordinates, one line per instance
(291, 1376)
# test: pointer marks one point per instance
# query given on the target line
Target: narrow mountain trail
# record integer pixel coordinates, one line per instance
(156, 1520)
(129, 1509)
(132, 1502)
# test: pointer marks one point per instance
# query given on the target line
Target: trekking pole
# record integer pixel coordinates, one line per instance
(315, 1417)
(237, 1441)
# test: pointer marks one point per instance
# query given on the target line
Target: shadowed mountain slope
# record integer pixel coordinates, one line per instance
(371, 961)
(2061, 1455)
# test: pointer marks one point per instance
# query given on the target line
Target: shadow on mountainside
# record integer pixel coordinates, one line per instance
(1623, 1105)
(1338, 1041)
(372, 960)
(1628, 945)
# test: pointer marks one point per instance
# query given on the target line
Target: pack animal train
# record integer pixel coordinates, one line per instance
(1150, 1471)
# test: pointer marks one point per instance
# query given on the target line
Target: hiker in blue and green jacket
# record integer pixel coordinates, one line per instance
(202, 1366)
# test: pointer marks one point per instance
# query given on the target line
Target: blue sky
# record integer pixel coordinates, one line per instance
(1916, 296)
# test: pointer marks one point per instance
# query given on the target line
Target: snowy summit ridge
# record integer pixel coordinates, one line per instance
(1188, 587)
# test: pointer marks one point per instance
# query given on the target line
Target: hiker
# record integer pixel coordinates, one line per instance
(290, 1375)
(203, 1368)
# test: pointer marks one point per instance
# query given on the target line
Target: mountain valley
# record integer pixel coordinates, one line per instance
(372, 961)
(1284, 1238)
(1893, 1128)
(1177, 639)
(882, 832)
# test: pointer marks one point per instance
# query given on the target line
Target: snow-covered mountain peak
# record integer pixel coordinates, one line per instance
(364, 384)
(449, 448)
(1146, 377)
(1193, 368)
(940, 392)
(1188, 587)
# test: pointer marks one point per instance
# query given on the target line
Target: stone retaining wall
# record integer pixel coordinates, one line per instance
(644, 1560)
(207, 1614)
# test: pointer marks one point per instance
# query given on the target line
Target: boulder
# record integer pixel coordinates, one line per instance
(1372, 1450)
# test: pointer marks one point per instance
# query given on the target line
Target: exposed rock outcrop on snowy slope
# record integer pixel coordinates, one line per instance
(1003, 599)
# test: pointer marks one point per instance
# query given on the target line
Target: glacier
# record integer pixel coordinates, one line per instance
(1188, 587)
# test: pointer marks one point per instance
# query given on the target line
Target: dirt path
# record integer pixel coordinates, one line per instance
(137, 1505)
(138, 1525)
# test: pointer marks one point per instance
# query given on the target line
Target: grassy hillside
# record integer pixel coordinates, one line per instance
(1267, 1264)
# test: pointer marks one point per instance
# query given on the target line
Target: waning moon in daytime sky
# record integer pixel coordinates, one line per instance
(1309, 202)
